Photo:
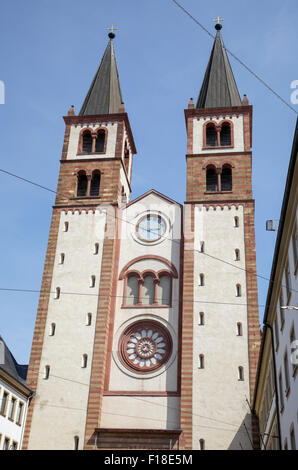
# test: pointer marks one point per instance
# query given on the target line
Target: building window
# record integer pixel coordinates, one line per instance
(211, 136)
(96, 248)
(82, 184)
(239, 329)
(46, 372)
(61, 258)
(201, 361)
(211, 180)
(236, 222)
(132, 290)
(4, 403)
(76, 442)
(201, 319)
(53, 329)
(238, 290)
(95, 183)
(226, 178)
(89, 319)
(12, 408)
(240, 373)
(148, 291)
(202, 280)
(20, 413)
(225, 135)
(14, 445)
(87, 142)
(92, 281)
(237, 255)
(202, 247)
(57, 294)
(6, 443)
(84, 361)
(66, 225)
(286, 444)
(100, 141)
(202, 444)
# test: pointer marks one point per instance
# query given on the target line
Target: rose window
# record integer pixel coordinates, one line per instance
(145, 346)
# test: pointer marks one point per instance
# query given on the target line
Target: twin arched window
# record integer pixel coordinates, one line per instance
(148, 289)
(218, 135)
(88, 185)
(92, 141)
(219, 179)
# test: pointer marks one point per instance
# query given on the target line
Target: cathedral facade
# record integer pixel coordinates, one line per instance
(147, 330)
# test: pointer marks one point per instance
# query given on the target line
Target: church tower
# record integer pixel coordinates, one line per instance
(220, 337)
(67, 363)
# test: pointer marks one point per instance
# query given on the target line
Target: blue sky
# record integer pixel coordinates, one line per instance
(50, 51)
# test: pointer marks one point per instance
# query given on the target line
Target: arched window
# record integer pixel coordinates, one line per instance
(211, 179)
(148, 290)
(240, 373)
(225, 135)
(164, 290)
(211, 136)
(202, 444)
(100, 141)
(239, 329)
(95, 183)
(82, 184)
(201, 361)
(226, 178)
(132, 290)
(87, 142)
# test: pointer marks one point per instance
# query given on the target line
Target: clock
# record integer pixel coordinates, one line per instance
(151, 228)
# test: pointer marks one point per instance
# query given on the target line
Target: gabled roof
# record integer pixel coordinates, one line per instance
(219, 89)
(104, 95)
(156, 193)
(11, 367)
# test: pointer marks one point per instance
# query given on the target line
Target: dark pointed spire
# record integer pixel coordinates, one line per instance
(219, 89)
(104, 95)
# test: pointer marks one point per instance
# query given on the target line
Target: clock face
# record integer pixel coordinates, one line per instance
(151, 228)
(145, 346)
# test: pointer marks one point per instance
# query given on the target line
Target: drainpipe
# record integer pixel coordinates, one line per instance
(276, 384)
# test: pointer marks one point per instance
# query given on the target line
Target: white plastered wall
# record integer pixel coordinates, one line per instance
(219, 398)
(61, 401)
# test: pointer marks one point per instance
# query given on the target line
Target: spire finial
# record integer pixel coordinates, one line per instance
(218, 26)
(112, 29)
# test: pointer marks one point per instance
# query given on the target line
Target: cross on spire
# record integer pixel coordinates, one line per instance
(218, 19)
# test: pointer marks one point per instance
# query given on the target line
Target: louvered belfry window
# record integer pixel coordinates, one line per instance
(95, 184)
(211, 136)
(82, 184)
(87, 142)
(100, 142)
(211, 180)
(226, 179)
(225, 135)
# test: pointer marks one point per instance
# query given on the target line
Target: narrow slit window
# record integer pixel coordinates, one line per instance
(96, 248)
(76, 443)
(202, 280)
(202, 247)
(202, 444)
(240, 373)
(201, 319)
(237, 255)
(46, 372)
(236, 222)
(201, 361)
(84, 361)
(66, 226)
(239, 329)
(62, 258)
(89, 319)
(53, 329)
(238, 290)
(92, 281)
(57, 293)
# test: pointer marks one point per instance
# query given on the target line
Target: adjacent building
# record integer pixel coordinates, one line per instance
(276, 397)
(147, 332)
(14, 399)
